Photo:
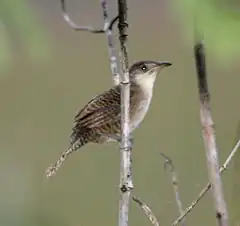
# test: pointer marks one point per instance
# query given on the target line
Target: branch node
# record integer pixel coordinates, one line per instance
(218, 215)
(126, 187)
(167, 162)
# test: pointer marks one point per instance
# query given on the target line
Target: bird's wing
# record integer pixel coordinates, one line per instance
(101, 110)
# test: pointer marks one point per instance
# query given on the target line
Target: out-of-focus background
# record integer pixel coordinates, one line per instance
(48, 72)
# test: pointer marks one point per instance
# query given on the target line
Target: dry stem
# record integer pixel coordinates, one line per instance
(209, 137)
(126, 184)
(175, 184)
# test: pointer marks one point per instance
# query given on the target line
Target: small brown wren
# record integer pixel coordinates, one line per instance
(101, 115)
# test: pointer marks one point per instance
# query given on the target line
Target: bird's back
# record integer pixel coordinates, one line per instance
(102, 114)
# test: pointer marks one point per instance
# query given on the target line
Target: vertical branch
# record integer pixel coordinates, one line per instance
(209, 136)
(126, 184)
(111, 50)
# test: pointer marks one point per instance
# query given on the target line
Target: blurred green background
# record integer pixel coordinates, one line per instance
(48, 72)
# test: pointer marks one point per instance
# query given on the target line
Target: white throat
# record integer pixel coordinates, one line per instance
(147, 83)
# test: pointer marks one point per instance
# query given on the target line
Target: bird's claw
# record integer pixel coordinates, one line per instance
(118, 138)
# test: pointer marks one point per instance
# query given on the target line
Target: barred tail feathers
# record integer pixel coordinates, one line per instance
(52, 169)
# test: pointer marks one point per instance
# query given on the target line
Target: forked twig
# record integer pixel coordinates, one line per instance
(85, 28)
(208, 186)
(175, 184)
(147, 211)
(126, 184)
(107, 29)
(209, 136)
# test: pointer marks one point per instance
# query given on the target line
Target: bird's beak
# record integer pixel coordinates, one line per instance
(163, 64)
(160, 65)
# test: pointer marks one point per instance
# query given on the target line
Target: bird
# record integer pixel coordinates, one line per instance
(101, 116)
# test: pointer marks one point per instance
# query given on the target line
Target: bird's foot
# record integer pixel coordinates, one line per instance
(118, 137)
(112, 136)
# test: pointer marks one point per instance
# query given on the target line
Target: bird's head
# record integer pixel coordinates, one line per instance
(144, 72)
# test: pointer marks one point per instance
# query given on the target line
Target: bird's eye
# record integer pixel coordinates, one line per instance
(144, 67)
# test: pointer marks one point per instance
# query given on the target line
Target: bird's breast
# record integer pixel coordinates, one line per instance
(139, 108)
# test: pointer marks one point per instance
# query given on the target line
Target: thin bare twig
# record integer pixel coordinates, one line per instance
(169, 162)
(209, 136)
(207, 187)
(108, 26)
(111, 49)
(126, 184)
(147, 211)
(85, 28)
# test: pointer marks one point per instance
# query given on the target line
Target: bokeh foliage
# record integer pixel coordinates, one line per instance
(18, 22)
(217, 20)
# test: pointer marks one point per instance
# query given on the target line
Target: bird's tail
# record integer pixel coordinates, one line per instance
(52, 169)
